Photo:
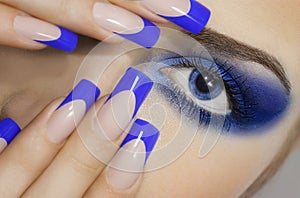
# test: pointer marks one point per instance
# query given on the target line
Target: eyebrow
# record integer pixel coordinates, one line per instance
(221, 45)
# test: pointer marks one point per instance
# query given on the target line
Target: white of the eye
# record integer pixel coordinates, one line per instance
(180, 76)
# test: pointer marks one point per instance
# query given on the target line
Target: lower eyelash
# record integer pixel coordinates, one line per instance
(185, 105)
(190, 109)
(242, 109)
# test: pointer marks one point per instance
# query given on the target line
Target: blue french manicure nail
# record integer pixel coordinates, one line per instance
(130, 160)
(66, 42)
(188, 14)
(85, 91)
(147, 37)
(71, 111)
(143, 131)
(137, 82)
(45, 33)
(126, 24)
(9, 129)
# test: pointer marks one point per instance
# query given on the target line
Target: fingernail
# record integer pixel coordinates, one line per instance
(45, 33)
(126, 24)
(129, 161)
(9, 129)
(188, 14)
(123, 103)
(71, 111)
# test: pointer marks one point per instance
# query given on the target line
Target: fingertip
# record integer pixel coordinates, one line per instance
(45, 33)
(150, 15)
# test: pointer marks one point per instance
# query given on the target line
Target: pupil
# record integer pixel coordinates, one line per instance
(201, 84)
(204, 85)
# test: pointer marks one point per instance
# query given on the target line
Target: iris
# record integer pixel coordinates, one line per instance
(204, 85)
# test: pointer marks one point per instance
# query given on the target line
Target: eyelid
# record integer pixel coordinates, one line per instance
(180, 77)
(218, 44)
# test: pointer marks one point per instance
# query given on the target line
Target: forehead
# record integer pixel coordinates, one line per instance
(259, 24)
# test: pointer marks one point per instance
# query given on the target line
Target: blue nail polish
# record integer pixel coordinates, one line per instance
(9, 129)
(66, 42)
(195, 20)
(84, 90)
(137, 82)
(147, 37)
(145, 132)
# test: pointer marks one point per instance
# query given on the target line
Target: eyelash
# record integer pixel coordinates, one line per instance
(241, 106)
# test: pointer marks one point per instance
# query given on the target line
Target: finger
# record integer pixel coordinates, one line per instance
(123, 175)
(188, 14)
(97, 19)
(23, 31)
(137, 8)
(9, 129)
(75, 168)
(34, 148)
(8, 35)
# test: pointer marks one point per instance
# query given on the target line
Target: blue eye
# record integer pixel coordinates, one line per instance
(243, 100)
(204, 85)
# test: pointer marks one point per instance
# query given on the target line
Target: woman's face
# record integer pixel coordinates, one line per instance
(210, 165)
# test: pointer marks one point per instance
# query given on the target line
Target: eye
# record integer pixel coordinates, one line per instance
(203, 89)
(204, 85)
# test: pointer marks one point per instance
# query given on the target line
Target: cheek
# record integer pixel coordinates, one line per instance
(227, 171)
(229, 168)
(159, 112)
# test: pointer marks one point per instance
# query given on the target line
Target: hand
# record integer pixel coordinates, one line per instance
(33, 24)
(40, 161)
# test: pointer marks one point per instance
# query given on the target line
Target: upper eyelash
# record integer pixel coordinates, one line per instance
(236, 92)
(248, 95)
(239, 104)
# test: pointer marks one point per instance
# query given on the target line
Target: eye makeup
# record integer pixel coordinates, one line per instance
(255, 96)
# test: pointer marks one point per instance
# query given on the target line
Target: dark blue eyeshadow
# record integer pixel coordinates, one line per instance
(264, 101)
(255, 102)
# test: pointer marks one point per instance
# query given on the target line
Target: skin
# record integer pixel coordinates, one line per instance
(75, 16)
(235, 162)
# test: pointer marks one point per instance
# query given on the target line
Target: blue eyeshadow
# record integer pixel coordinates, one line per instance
(256, 101)
(265, 100)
